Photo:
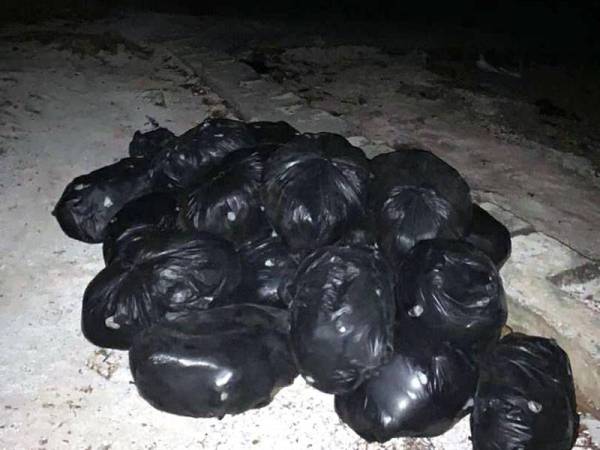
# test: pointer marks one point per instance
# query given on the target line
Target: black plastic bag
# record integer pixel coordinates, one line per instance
(525, 397)
(489, 235)
(453, 289)
(189, 158)
(150, 143)
(425, 388)
(342, 314)
(228, 202)
(152, 212)
(360, 237)
(90, 201)
(364, 234)
(267, 270)
(211, 363)
(272, 132)
(415, 196)
(315, 190)
(171, 272)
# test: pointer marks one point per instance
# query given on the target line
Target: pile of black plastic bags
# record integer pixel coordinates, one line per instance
(239, 255)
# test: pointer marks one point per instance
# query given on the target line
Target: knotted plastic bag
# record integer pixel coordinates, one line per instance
(128, 228)
(190, 157)
(414, 196)
(525, 397)
(342, 314)
(276, 133)
(422, 391)
(90, 201)
(267, 270)
(453, 289)
(150, 143)
(215, 362)
(227, 203)
(315, 190)
(171, 272)
(489, 235)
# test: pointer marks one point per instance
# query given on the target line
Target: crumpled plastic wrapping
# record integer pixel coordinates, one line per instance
(171, 272)
(267, 270)
(422, 391)
(315, 190)
(525, 397)
(342, 314)
(90, 201)
(276, 133)
(152, 212)
(215, 362)
(228, 202)
(415, 196)
(453, 289)
(189, 158)
(489, 235)
(148, 144)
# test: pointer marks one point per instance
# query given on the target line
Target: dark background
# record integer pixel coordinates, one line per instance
(501, 14)
(566, 29)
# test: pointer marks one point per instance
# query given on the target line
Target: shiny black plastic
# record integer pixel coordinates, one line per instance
(364, 234)
(422, 391)
(342, 315)
(489, 235)
(152, 212)
(171, 272)
(150, 143)
(453, 289)
(267, 269)
(228, 202)
(414, 196)
(211, 363)
(525, 397)
(272, 132)
(315, 190)
(90, 201)
(189, 158)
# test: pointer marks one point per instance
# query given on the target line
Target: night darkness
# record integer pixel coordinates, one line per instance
(553, 31)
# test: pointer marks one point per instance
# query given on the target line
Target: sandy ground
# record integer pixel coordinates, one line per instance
(66, 108)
